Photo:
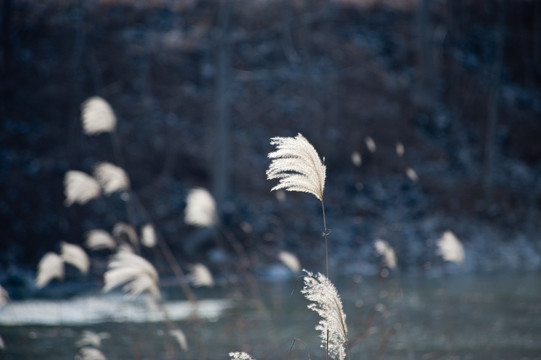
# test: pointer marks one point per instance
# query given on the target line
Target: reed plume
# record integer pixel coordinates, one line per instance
(90, 353)
(91, 338)
(297, 166)
(240, 356)
(138, 274)
(99, 239)
(290, 260)
(74, 255)
(385, 250)
(200, 208)
(111, 178)
(200, 275)
(4, 296)
(450, 248)
(79, 188)
(326, 302)
(97, 116)
(148, 236)
(180, 337)
(51, 266)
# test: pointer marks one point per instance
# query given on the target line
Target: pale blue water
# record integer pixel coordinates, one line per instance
(458, 317)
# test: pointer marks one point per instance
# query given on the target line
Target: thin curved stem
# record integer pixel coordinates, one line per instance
(326, 241)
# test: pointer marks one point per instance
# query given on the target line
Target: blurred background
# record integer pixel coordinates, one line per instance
(427, 113)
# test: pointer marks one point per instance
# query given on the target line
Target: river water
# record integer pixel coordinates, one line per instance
(401, 317)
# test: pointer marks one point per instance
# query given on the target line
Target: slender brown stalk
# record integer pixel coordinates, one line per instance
(327, 354)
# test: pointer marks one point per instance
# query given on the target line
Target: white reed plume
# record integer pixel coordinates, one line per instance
(148, 236)
(326, 302)
(240, 356)
(111, 178)
(297, 166)
(399, 149)
(412, 174)
(50, 266)
(122, 229)
(91, 338)
(90, 353)
(99, 239)
(356, 158)
(200, 275)
(2, 345)
(385, 250)
(180, 337)
(74, 255)
(450, 248)
(370, 144)
(4, 296)
(97, 116)
(138, 274)
(290, 260)
(200, 208)
(79, 188)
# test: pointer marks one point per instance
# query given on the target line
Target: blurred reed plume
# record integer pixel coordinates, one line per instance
(74, 255)
(450, 248)
(180, 337)
(290, 260)
(356, 158)
(326, 302)
(399, 148)
(412, 174)
(370, 144)
(297, 166)
(90, 353)
(97, 116)
(4, 296)
(148, 236)
(80, 188)
(138, 274)
(240, 356)
(51, 266)
(91, 338)
(200, 275)
(99, 239)
(200, 208)
(111, 178)
(387, 253)
(125, 233)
